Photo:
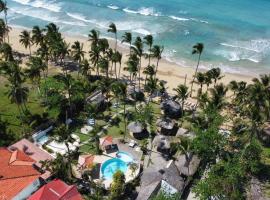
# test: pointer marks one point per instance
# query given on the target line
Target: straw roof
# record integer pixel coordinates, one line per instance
(184, 133)
(166, 123)
(187, 168)
(135, 127)
(172, 105)
(162, 142)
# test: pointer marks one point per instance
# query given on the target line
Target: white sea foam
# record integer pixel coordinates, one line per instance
(199, 20)
(113, 7)
(142, 31)
(253, 50)
(143, 11)
(179, 18)
(48, 5)
(78, 16)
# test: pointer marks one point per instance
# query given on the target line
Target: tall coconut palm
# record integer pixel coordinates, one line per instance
(197, 49)
(6, 51)
(127, 37)
(35, 66)
(77, 52)
(216, 74)
(37, 35)
(151, 86)
(218, 94)
(119, 90)
(93, 37)
(3, 31)
(182, 94)
(132, 67)
(94, 57)
(200, 79)
(117, 58)
(113, 29)
(26, 40)
(157, 53)
(208, 76)
(63, 134)
(103, 65)
(149, 71)
(85, 68)
(4, 8)
(138, 50)
(148, 40)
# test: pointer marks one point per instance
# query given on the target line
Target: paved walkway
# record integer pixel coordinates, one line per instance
(104, 128)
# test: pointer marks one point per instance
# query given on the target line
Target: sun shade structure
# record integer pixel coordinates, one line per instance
(56, 190)
(171, 108)
(137, 130)
(16, 174)
(166, 126)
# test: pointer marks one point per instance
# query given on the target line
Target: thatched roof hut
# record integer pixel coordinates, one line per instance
(171, 108)
(187, 167)
(162, 143)
(185, 133)
(166, 126)
(152, 181)
(137, 130)
(135, 93)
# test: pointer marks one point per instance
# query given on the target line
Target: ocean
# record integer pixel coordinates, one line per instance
(235, 33)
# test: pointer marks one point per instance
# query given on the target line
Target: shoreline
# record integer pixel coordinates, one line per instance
(170, 72)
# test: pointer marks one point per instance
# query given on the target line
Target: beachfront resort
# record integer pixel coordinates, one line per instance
(86, 118)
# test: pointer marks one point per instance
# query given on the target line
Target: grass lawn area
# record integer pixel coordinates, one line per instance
(10, 113)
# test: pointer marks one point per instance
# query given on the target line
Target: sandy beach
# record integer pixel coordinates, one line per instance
(171, 73)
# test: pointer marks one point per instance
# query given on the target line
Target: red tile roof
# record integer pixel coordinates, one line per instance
(16, 172)
(32, 151)
(56, 190)
(107, 140)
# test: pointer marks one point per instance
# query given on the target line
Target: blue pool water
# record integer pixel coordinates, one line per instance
(42, 140)
(125, 157)
(109, 167)
(236, 33)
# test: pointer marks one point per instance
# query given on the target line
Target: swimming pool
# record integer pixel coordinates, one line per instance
(42, 140)
(124, 157)
(109, 167)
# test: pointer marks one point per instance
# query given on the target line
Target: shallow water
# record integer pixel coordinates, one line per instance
(236, 33)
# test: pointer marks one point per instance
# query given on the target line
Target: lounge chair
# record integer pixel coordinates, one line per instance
(132, 143)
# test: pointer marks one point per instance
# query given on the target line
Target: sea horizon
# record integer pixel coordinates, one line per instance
(237, 42)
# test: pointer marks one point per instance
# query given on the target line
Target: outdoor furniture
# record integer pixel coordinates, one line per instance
(132, 144)
(91, 121)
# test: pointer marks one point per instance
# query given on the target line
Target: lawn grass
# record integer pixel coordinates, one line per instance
(10, 112)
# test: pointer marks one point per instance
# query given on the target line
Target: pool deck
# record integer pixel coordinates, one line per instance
(136, 155)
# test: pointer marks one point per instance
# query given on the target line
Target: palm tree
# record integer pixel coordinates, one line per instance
(4, 8)
(132, 66)
(208, 79)
(181, 94)
(26, 40)
(200, 77)
(156, 53)
(151, 86)
(93, 37)
(138, 50)
(119, 90)
(85, 67)
(113, 29)
(216, 74)
(127, 37)
(77, 52)
(94, 57)
(103, 65)
(149, 71)
(35, 66)
(218, 94)
(185, 147)
(117, 58)
(3, 31)
(37, 35)
(6, 51)
(18, 94)
(95, 138)
(197, 49)
(148, 40)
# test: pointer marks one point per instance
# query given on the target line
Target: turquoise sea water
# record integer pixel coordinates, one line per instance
(236, 33)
